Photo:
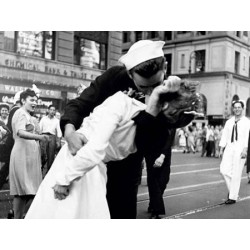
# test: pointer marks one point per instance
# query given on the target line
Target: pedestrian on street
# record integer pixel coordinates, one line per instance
(25, 163)
(182, 139)
(204, 140)
(143, 69)
(6, 150)
(158, 161)
(49, 125)
(233, 147)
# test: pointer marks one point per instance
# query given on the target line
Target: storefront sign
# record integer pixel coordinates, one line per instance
(31, 64)
(44, 92)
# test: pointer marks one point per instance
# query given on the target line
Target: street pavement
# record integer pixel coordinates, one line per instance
(197, 191)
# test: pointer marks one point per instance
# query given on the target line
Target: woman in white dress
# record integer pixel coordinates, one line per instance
(75, 186)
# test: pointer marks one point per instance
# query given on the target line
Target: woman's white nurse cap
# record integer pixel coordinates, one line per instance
(142, 51)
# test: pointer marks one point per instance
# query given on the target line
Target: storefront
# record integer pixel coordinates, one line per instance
(47, 97)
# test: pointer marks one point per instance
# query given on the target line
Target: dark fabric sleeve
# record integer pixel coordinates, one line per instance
(111, 81)
(148, 128)
(169, 142)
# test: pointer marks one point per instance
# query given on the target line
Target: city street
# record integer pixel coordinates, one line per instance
(197, 191)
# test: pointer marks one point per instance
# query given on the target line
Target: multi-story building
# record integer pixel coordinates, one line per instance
(58, 63)
(220, 60)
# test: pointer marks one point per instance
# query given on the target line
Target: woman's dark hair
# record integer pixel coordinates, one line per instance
(149, 68)
(26, 93)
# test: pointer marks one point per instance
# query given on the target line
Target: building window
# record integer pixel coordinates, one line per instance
(200, 60)
(90, 53)
(182, 32)
(169, 63)
(168, 35)
(245, 33)
(238, 33)
(182, 61)
(201, 33)
(138, 35)
(236, 62)
(152, 34)
(36, 43)
(9, 41)
(126, 36)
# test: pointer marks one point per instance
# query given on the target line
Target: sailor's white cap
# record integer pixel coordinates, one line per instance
(142, 51)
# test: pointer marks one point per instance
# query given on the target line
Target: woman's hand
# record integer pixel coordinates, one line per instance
(60, 192)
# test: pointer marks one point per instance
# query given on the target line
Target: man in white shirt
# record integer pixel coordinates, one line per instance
(49, 125)
(235, 142)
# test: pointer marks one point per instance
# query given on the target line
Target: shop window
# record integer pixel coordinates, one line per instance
(36, 43)
(138, 35)
(9, 41)
(90, 53)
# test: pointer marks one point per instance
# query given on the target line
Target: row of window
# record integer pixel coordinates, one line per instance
(168, 35)
(42, 44)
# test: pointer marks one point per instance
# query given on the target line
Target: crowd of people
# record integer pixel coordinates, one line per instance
(204, 139)
(129, 113)
(26, 148)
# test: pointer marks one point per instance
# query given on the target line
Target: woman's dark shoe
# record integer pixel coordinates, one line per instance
(229, 202)
(10, 214)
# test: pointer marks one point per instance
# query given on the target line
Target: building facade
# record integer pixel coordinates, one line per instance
(220, 60)
(59, 63)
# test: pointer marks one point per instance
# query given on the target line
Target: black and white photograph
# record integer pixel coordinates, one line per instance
(127, 124)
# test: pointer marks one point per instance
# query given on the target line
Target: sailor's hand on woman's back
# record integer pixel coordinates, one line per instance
(75, 140)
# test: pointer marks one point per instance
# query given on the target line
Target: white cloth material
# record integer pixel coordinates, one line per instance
(110, 133)
(142, 51)
(50, 125)
(232, 164)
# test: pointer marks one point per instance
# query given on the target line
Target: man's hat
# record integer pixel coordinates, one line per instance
(142, 51)
(4, 105)
(239, 101)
